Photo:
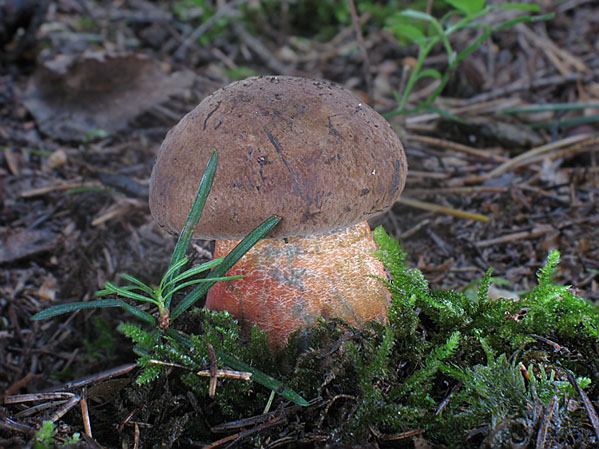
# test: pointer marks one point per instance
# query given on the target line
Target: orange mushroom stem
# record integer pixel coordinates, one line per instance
(291, 283)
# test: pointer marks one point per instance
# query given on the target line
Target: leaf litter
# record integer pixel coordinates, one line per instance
(538, 194)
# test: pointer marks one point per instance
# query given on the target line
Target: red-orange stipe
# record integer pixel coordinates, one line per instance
(288, 285)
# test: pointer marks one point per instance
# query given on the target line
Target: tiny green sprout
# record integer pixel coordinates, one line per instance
(93, 134)
(44, 437)
(566, 387)
(73, 439)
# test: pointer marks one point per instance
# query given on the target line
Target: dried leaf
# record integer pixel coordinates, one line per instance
(25, 244)
(71, 97)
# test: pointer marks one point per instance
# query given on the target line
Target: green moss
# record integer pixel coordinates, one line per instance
(46, 434)
(498, 395)
(219, 332)
(465, 369)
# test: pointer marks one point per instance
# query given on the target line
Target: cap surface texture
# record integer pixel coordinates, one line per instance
(305, 150)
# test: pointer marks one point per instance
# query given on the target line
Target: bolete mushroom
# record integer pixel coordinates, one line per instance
(310, 152)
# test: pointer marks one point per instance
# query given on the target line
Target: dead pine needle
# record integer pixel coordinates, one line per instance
(524, 157)
(457, 147)
(442, 209)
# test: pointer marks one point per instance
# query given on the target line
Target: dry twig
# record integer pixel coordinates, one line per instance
(453, 146)
(363, 52)
(442, 209)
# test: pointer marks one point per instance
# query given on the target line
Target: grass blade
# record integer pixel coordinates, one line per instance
(228, 262)
(140, 314)
(192, 220)
(262, 378)
(173, 269)
(73, 307)
(129, 288)
(199, 281)
(145, 288)
(521, 6)
(125, 293)
(549, 107)
(195, 270)
(567, 123)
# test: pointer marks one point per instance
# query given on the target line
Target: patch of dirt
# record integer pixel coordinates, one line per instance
(73, 205)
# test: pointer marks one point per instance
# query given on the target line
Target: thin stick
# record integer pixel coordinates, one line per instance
(66, 186)
(519, 160)
(30, 397)
(226, 374)
(588, 405)
(137, 437)
(261, 50)
(87, 427)
(516, 236)
(549, 47)
(582, 147)
(64, 409)
(103, 375)
(19, 384)
(456, 190)
(38, 408)
(445, 144)
(537, 83)
(11, 424)
(363, 52)
(213, 371)
(549, 411)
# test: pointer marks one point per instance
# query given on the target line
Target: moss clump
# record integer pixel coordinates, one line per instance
(159, 352)
(463, 369)
(460, 369)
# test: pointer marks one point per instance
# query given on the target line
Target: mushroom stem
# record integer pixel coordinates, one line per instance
(291, 283)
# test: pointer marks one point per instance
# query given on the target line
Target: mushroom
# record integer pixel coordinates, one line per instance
(313, 154)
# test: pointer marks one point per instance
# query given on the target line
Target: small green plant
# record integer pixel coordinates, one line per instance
(94, 134)
(463, 14)
(162, 339)
(44, 437)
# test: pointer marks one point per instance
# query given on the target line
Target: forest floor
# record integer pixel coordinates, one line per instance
(84, 109)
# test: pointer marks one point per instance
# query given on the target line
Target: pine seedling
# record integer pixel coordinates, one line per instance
(162, 343)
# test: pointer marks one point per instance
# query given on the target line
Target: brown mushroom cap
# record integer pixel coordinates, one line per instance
(308, 151)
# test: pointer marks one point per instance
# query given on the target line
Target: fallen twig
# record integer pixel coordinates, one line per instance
(448, 145)
(365, 60)
(525, 235)
(524, 157)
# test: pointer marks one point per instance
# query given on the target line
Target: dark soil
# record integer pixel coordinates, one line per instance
(73, 199)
